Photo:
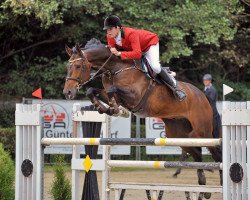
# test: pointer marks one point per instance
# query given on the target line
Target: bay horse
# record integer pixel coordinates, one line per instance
(125, 84)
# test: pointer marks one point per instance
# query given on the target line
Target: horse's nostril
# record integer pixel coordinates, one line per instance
(69, 93)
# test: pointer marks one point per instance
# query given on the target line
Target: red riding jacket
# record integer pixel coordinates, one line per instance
(134, 42)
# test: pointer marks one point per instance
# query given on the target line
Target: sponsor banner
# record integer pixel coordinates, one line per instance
(58, 123)
(155, 128)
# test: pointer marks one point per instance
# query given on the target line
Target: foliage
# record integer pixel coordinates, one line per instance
(7, 176)
(7, 116)
(7, 138)
(61, 188)
(195, 37)
(184, 24)
(48, 74)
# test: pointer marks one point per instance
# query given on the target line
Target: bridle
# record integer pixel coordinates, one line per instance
(71, 78)
(80, 82)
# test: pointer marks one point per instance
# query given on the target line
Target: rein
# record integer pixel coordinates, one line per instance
(96, 75)
(110, 74)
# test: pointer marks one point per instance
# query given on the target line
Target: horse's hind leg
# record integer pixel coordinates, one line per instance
(184, 156)
(216, 153)
(196, 153)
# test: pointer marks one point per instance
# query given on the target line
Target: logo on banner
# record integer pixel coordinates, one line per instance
(56, 121)
(159, 126)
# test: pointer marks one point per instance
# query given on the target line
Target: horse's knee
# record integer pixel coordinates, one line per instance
(91, 92)
(111, 91)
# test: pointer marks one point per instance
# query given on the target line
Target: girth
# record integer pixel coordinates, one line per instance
(143, 100)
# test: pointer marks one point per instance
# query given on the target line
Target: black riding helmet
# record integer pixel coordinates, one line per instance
(112, 21)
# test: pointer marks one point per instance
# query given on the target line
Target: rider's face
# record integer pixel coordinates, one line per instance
(206, 82)
(112, 32)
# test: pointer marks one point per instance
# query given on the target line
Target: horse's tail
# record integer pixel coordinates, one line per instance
(217, 127)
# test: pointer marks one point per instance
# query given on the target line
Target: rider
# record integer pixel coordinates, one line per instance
(134, 42)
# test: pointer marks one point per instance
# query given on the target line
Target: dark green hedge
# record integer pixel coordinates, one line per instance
(7, 116)
(8, 139)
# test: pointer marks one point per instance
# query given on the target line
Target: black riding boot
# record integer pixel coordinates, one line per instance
(165, 77)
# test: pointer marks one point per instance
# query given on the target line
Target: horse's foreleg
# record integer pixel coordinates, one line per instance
(114, 107)
(123, 112)
(92, 95)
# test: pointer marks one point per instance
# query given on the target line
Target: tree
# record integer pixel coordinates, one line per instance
(195, 37)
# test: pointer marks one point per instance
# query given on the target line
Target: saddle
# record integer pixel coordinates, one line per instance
(149, 73)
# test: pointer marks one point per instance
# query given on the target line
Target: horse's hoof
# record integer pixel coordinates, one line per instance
(207, 195)
(177, 172)
(175, 175)
(99, 110)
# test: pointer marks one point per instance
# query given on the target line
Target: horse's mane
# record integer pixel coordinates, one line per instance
(93, 43)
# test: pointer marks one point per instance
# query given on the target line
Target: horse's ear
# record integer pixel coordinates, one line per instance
(68, 50)
(79, 49)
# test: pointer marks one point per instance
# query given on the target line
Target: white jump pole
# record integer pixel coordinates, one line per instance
(183, 142)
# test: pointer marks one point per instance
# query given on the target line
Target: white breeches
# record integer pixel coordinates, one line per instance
(153, 57)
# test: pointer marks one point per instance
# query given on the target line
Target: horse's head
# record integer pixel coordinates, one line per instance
(78, 71)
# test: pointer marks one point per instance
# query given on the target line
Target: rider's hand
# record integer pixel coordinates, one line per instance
(114, 51)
